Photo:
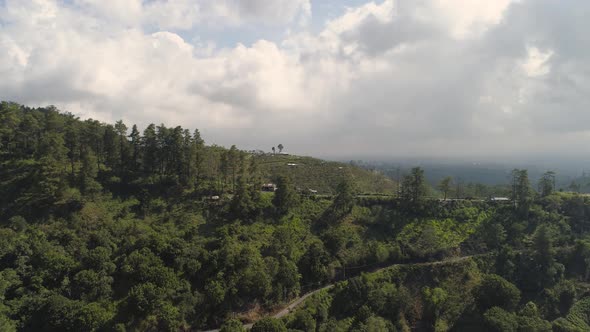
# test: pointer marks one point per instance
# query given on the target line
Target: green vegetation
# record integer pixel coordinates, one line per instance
(109, 228)
(104, 228)
(269, 325)
(323, 176)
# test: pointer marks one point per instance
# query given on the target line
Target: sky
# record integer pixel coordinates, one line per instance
(338, 79)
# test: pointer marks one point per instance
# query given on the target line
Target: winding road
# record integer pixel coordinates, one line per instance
(297, 302)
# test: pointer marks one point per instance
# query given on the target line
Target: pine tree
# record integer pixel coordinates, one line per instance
(88, 173)
(242, 205)
(121, 130)
(199, 157)
(414, 187)
(285, 197)
(135, 160)
(150, 148)
(345, 196)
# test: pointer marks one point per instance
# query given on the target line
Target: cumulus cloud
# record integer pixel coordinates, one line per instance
(395, 77)
(184, 14)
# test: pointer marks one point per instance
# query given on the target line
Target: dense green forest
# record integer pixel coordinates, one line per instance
(106, 228)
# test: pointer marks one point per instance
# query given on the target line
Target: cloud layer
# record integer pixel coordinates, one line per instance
(389, 78)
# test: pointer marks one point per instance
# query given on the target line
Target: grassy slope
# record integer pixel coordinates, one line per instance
(323, 176)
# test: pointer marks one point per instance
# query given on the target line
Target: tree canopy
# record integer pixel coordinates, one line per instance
(113, 227)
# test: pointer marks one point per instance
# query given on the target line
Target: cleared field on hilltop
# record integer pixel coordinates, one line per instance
(323, 176)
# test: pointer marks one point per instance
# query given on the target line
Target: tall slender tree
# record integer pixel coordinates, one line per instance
(150, 148)
(547, 183)
(345, 196)
(445, 186)
(111, 147)
(72, 142)
(414, 187)
(199, 157)
(121, 130)
(522, 193)
(135, 161)
(9, 122)
(233, 158)
(285, 197)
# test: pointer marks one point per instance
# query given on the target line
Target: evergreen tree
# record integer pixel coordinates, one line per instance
(72, 142)
(224, 168)
(547, 270)
(9, 123)
(254, 171)
(163, 149)
(414, 187)
(178, 159)
(189, 156)
(135, 161)
(345, 197)
(199, 156)
(547, 184)
(233, 158)
(121, 130)
(150, 147)
(30, 131)
(112, 155)
(93, 133)
(243, 206)
(285, 197)
(522, 193)
(88, 173)
(445, 186)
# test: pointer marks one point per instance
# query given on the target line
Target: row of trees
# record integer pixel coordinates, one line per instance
(59, 152)
(280, 147)
(176, 154)
(415, 188)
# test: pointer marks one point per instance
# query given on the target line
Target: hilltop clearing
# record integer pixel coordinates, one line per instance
(309, 173)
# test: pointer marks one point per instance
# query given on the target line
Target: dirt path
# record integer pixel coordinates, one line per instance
(297, 302)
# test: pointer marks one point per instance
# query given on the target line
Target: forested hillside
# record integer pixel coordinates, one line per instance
(106, 228)
(51, 159)
(524, 268)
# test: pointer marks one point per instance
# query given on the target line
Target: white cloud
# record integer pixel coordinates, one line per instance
(126, 12)
(185, 14)
(536, 64)
(354, 17)
(403, 76)
(32, 12)
(466, 18)
(179, 14)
